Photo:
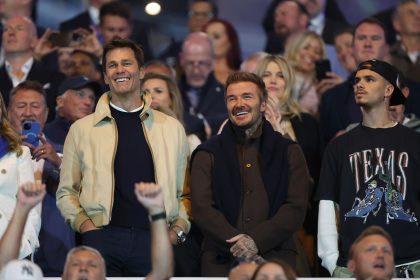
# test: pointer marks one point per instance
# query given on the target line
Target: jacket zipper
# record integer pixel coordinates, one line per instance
(151, 151)
(112, 169)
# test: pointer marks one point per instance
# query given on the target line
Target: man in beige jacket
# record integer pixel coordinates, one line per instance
(123, 142)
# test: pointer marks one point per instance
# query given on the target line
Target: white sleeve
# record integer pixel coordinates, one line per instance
(33, 223)
(327, 235)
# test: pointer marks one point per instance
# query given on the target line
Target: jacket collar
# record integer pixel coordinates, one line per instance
(102, 111)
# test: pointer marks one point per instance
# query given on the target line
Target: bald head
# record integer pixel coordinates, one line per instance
(19, 36)
(197, 58)
(198, 41)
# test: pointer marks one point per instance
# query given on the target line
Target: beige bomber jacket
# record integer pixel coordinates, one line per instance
(86, 188)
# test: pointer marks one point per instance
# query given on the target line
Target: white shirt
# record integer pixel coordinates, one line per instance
(26, 67)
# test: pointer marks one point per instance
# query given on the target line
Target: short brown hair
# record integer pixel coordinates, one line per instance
(371, 230)
(118, 43)
(240, 76)
(288, 270)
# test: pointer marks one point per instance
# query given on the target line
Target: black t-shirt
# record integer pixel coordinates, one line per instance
(374, 176)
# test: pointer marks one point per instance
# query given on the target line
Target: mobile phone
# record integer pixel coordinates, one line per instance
(322, 67)
(60, 39)
(31, 129)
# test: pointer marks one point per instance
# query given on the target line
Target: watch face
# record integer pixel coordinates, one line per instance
(181, 236)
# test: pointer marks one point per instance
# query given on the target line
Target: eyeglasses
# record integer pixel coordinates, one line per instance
(200, 14)
(198, 64)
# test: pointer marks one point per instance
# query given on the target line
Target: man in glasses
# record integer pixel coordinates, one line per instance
(202, 94)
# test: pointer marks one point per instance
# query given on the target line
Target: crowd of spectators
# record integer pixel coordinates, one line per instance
(288, 163)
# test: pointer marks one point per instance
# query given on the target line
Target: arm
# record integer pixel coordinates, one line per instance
(327, 235)
(182, 190)
(151, 197)
(211, 221)
(289, 217)
(28, 196)
(33, 223)
(69, 187)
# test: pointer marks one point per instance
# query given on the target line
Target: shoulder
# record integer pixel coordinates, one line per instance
(210, 146)
(83, 125)
(409, 132)
(305, 119)
(337, 90)
(340, 141)
(164, 120)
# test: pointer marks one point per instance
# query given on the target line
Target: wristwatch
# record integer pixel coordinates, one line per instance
(182, 236)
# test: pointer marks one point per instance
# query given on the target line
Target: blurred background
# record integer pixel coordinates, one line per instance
(171, 23)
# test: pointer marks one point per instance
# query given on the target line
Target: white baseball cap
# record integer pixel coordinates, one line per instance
(21, 270)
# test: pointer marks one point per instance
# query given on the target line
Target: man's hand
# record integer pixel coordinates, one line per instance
(87, 225)
(150, 196)
(88, 42)
(45, 151)
(244, 247)
(29, 195)
(330, 81)
(44, 46)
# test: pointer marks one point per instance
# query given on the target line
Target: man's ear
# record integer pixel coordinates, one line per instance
(263, 105)
(59, 101)
(389, 89)
(142, 72)
(351, 265)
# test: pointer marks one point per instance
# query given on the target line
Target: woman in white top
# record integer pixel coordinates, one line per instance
(15, 169)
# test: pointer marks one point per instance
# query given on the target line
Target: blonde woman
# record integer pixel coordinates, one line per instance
(286, 116)
(167, 99)
(302, 51)
(15, 170)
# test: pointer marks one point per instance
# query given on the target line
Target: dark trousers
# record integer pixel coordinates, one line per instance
(187, 254)
(126, 250)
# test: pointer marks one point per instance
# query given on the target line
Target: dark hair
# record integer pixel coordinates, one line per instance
(115, 8)
(371, 230)
(401, 3)
(28, 85)
(288, 270)
(118, 43)
(377, 22)
(214, 8)
(301, 7)
(241, 76)
(93, 58)
(344, 30)
(234, 53)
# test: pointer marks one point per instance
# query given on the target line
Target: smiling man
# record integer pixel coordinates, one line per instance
(122, 143)
(248, 164)
(370, 174)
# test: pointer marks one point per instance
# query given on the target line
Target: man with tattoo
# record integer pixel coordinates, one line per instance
(249, 185)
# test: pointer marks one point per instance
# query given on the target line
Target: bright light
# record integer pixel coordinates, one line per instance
(152, 8)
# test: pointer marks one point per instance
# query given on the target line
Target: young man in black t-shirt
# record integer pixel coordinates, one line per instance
(371, 175)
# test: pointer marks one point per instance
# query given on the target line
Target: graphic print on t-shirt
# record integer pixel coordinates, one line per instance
(381, 185)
